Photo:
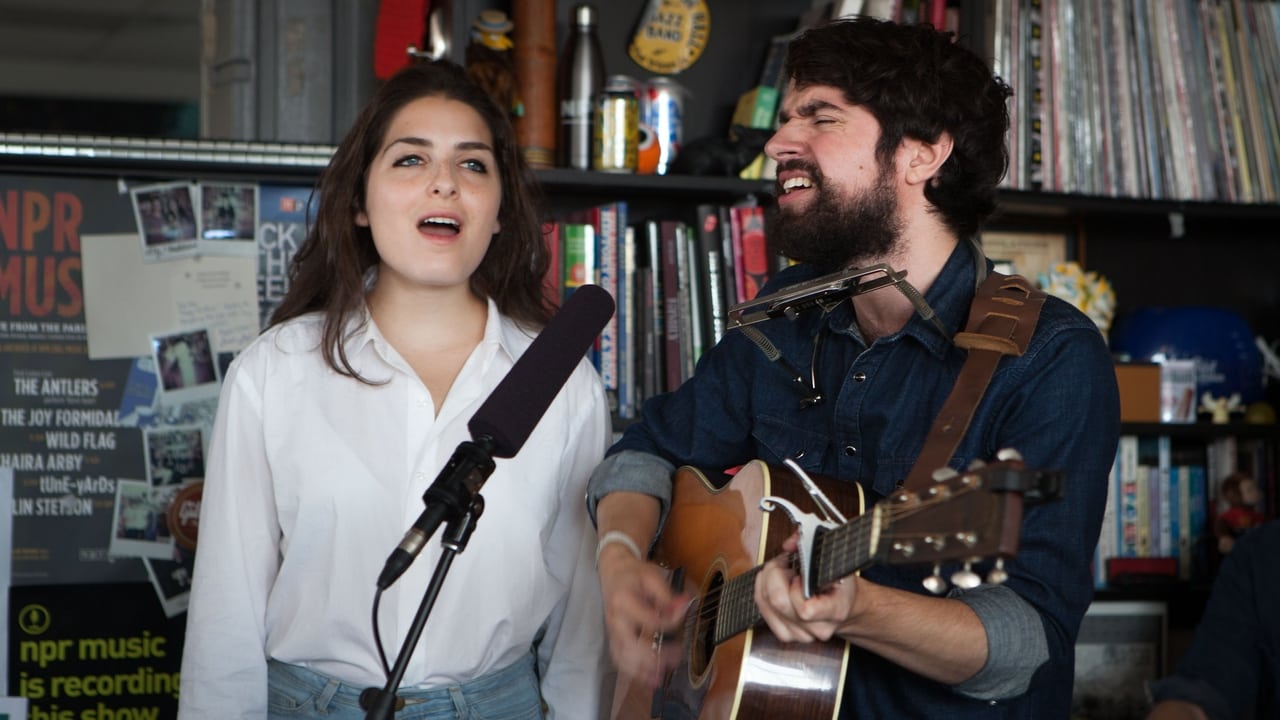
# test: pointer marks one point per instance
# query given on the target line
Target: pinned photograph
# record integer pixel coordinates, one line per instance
(172, 582)
(166, 217)
(175, 455)
(228, 218)
(172, 578)
(139, 527)
(186, 366)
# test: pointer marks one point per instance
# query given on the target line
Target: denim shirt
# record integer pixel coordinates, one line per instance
(1057, 405)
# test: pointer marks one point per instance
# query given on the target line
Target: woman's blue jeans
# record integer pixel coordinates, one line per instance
(507, 694)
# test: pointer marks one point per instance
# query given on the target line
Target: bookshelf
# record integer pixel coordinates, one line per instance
(1255, 449)
(1163, 235)
(1157, 248)
(1176, 471)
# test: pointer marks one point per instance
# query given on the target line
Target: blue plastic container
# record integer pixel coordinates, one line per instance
(1219, 340)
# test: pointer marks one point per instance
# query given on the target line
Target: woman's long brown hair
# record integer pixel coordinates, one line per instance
(328, 272)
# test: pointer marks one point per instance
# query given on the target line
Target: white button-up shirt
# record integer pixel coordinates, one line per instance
(313, 479)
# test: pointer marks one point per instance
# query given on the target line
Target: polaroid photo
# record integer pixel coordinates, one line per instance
(228, 219)
(186, 365)
(163, 496)
(175, 455)
(166, 217)
(139, 526)
(172, 582)
(171, 578)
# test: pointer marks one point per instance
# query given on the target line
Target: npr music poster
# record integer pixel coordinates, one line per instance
(60, 413)
(102, 449)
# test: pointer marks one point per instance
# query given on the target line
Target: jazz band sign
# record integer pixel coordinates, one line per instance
(671, 35)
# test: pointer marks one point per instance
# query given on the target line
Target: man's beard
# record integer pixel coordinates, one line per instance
(834, 233)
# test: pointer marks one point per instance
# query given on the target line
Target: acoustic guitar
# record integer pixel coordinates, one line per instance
(716, 539)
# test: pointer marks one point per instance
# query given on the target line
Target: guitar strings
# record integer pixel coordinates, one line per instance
(852, 540)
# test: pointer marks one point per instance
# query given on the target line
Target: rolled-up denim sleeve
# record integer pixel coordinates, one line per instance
(1033, 619)
(1016, 643)
(631, 471)
(705, 423)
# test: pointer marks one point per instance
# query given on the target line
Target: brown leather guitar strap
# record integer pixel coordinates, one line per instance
(1002, 319)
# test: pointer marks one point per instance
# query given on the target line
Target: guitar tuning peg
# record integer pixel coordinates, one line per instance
(904, 497)
(1007, 454)
(966, 578)
(998, 574)
(943, 474)
(934, 583)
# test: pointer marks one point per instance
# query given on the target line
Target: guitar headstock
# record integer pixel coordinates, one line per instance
(962, 516)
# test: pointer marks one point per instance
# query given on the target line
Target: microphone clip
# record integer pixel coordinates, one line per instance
(463, 476)
(451, 497)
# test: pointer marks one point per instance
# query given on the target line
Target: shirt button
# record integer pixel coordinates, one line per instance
(859, 376)
(850, 450)
(422, 402)
(419, 476)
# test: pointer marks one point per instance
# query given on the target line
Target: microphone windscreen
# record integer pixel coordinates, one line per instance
(523, 396)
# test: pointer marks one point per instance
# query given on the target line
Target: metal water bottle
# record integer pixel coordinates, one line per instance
(581, 80)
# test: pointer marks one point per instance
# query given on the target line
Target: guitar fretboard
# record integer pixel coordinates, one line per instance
(837, 553)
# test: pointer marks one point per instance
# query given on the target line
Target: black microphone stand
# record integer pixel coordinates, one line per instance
(453, 498)
(382, 704)
(499, 428)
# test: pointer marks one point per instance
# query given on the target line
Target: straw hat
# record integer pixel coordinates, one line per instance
(492, 21)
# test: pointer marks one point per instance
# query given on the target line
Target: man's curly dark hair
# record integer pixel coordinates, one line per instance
(918, 83)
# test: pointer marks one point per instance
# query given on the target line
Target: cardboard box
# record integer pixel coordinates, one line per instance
(1139, 391)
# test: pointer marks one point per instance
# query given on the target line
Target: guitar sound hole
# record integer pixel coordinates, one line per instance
(702, 642)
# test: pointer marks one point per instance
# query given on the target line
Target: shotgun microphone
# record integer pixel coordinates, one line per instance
(507, 418)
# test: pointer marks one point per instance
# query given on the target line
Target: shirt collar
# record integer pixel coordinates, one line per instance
(506, 334)
(949, 296)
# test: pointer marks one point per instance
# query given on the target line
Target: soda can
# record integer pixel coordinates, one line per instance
(662, 113)
(617, 126)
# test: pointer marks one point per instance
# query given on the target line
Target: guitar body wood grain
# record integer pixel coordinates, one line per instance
(712, 536)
